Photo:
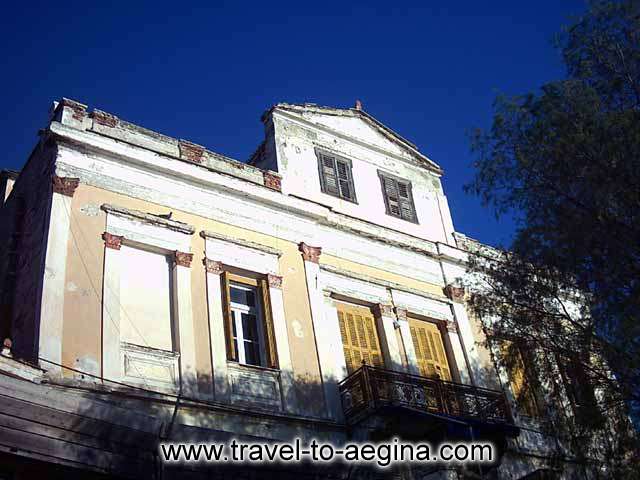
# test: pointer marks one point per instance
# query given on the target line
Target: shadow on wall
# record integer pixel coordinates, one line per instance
(118, 430)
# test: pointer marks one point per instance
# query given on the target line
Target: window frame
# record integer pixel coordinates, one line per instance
(265, 324)
(384, 175)
(258, 312)
(320, 152)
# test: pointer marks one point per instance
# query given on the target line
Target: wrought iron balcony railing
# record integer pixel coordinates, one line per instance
(370, 388)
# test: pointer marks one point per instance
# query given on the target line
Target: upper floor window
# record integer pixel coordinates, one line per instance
(248, 322)
(397, 195)
(518, 362)
(336, 177)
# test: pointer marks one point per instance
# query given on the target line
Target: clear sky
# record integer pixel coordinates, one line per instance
(206, 72)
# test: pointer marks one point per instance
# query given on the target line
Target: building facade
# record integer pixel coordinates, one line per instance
(154, 290)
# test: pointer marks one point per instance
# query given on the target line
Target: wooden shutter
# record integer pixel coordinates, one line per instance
(398, 198)
(390, 187)
(345, 180)
(430, 352)
(270, 340)
(519, 382)
(232, 354)
(406, 202)
(359, 337)
(329, 175)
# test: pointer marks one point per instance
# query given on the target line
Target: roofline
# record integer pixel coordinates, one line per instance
(7, 173)
(430, 164)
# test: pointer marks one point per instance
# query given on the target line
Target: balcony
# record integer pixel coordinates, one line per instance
(373, 391)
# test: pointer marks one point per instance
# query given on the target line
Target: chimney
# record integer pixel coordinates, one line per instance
(358, 105)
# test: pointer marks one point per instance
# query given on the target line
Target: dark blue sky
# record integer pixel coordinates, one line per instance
(429, 70)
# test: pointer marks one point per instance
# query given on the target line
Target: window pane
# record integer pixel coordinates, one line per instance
(243, 296)
(252, 353)
(249, 327)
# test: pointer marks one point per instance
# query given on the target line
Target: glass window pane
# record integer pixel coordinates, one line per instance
(251, 353)
(243, 296)
(249, 327)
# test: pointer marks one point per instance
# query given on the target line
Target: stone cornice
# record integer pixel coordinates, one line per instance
(383, 283)
(295, 205)
(149, 218)
(243, 243)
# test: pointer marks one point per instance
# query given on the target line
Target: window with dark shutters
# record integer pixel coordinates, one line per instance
(335, 176)
(397, 197)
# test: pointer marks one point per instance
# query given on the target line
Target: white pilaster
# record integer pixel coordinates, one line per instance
(216, 331)
(186, 333)
(53, 288)
(389, 341)
(112, 367)
(405, 333)
(290, 403)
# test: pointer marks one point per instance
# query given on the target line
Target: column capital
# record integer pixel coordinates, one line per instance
(212, 266)
(401, 313)
(382, 310)
(112, 241)
(455, 294)
(309, 253)
(449, 326)
(274, 281)
(182, 259)
(65, 185)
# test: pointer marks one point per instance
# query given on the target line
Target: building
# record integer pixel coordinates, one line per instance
(153, 290)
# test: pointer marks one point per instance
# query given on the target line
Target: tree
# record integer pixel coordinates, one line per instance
(565, 161)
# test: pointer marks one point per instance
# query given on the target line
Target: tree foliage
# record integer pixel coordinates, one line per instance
(565, 161)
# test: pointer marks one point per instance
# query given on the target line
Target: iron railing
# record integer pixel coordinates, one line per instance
(370, 388)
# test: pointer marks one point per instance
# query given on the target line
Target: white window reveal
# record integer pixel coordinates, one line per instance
(145, 299)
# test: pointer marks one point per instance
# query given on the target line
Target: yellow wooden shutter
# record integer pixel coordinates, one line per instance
(520, 386)
(359, 337)
(427, 342)
(270, 341)
(232, 354)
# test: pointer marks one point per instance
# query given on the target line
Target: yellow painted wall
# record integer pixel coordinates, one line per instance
(83, 313)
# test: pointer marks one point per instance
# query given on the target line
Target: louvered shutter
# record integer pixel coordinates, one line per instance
(232, 354)
(430, 353)
(405, 200)
(360, 341)
(329, 174)
(520, 386)
(270, 340)
(344, 179)
(391, 195)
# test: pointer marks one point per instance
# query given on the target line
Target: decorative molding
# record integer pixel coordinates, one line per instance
(65, 185)
(272, 180)
(212, 266)
(382, 310)
(191, 151)
(182, 259)
(456, 294)
(309, 253)
(112, 241)
(241, 242)
(275, 281)
(382, 283)
(401, 313)
(104, 118)
(156, 220)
